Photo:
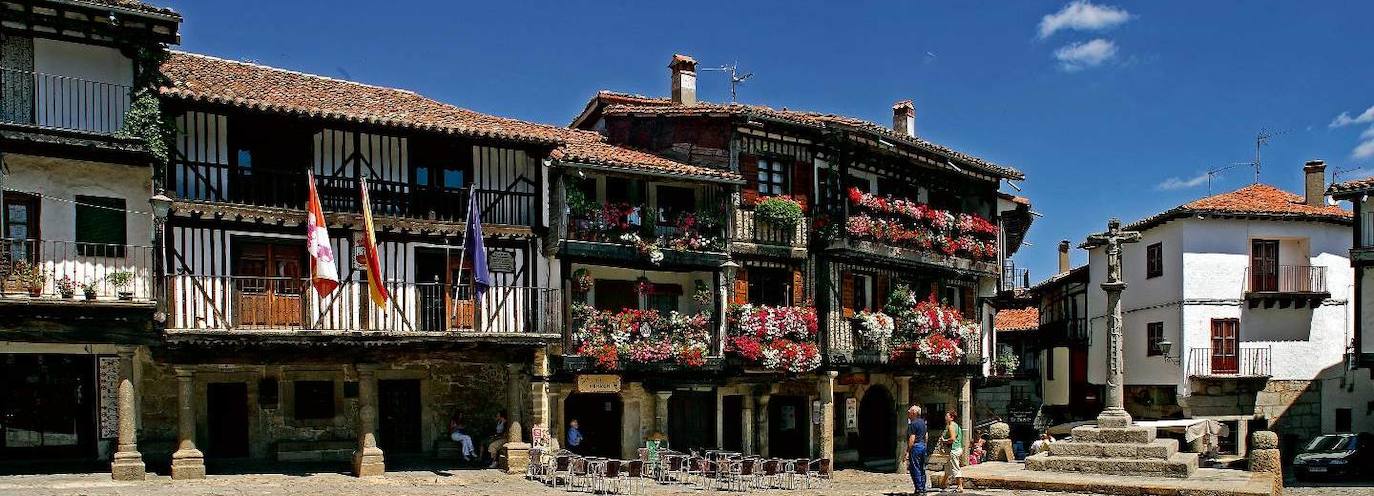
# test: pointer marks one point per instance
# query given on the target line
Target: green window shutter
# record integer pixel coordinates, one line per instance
(101, 228)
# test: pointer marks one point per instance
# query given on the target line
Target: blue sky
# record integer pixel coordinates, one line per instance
(1111, 108)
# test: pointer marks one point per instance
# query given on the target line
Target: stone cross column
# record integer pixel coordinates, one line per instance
(128, 462)
(187, 462)
(1114, 415)
(367, 459)
(826, 390)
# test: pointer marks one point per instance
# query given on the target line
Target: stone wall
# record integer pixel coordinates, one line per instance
(1219, 397)
(1293, 408)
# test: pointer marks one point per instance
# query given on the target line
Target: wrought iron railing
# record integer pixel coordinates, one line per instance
(62, 102)
(78, 271)
(1240, 361)
(281, 188)
(1285, 279)
(750, 230)
(1014, 278)
(279, 303)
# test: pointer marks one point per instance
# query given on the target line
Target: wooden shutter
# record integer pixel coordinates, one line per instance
(100, 222)
(847, 293)
(880, 293)
(802, 184)
(967, 304)
(741, 293)
(798, 287)
(749, 168)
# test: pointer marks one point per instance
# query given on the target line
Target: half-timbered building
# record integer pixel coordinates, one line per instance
(890, 221)
(77, 281)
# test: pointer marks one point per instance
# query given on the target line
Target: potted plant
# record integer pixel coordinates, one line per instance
(1006, 362)
(66, 287)
(88, 289)
(779, 211)
(121, 281)
(30, 276)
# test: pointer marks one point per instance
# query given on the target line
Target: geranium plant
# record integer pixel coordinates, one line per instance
(875, 327)
(779, 211)
(910, 224)
(639, 336)
(777, 338)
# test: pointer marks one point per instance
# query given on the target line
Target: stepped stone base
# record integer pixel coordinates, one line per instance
(1206, 482)
(1127, 450)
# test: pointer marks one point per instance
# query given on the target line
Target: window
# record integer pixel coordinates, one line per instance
(1154, 260)
(1154, 334)
(773, 178)
(863, 292)
(615, 295)
(623, 190)
(673, 202)
(314, 400)
(101, 230)
(665, 297)
(770, 286)
(1049, 364)
(20, 223)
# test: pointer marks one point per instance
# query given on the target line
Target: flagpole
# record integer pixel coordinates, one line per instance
(462, 255)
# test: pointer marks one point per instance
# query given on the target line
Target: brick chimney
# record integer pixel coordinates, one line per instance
(904, 118)
(1064, 256)
(684, 70)
(1314, 177)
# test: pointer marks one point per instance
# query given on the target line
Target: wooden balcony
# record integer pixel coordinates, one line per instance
(290, 306)
(752, 236)
(286, 189)
(595, 239)
(876, 251)
(1298, 286)
(1237, 362)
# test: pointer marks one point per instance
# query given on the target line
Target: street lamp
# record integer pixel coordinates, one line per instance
(1164, 347)
(162, 206)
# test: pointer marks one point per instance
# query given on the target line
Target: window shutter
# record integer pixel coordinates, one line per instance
(880, 293)
(967, 304)
(741, 295)
(101, 229)
(801, 183)
(749, 168)
(847, 293)
(798, 287)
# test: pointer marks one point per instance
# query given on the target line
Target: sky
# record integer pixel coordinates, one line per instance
(1111, 109)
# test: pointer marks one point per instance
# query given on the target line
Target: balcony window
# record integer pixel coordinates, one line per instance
(21, 223)
(615, 295)
(773, 177)
(770, 286)
(665, 298)
(1154, 334)
(1154, 260)
(101, 230)
(673, 202)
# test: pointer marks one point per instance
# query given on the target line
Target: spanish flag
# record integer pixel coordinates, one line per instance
(368, 246)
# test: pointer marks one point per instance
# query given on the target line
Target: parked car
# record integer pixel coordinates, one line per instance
(1336, 456)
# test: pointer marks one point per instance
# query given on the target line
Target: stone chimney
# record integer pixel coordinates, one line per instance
(904, 118)
(684, 70)
(1064, 256)
(1314, 172)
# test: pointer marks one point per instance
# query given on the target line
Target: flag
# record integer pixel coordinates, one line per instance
(368, 245)
(324, 274)
(481, 279)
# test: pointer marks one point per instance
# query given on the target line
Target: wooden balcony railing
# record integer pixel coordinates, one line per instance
(62, 102)
(237, 303)
(750, 230)
(71, 270)
(1285, 279)
(283, 188)
(1240, 361)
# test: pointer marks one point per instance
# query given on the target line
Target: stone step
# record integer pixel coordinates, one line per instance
(1161, 448)
(1178, 465)
(1095, 434)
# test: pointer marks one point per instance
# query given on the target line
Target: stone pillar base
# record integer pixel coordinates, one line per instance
(368, 462)
(515, 458)
(1000, 450)
(127, 465)
(188, 464)
(1114, 418)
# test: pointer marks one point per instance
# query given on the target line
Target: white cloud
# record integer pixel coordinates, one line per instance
(1083, 16)
(1365, 149)
(1078, 56)
(1175, 183)
(1345, 120)
(1368, 133)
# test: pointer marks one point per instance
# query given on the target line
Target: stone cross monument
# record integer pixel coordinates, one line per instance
(1114, 415)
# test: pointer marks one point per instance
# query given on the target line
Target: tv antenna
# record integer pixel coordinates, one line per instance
(1336, 174)
(1261, 139)
(1216, 171)
(736, 78)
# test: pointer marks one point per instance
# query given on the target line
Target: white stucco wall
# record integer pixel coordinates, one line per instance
(1056, 391)
(1145, 300)
(62, 180)
(1367, 316)
(85, 86)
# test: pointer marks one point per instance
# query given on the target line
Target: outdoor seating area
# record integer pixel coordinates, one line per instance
(708, 471)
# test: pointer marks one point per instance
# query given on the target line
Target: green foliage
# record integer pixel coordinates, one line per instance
(120, 280)
(781, 212)
(145, 121)
(579, 205)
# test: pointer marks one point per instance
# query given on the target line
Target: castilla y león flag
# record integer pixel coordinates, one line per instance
(369, 257)
(324, 274)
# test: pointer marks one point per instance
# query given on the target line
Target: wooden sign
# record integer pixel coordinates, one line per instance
(501, 261)
(851, 414)
(853, 379)
(598, 383)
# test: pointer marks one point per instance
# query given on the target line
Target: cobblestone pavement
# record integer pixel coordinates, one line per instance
(465, 483)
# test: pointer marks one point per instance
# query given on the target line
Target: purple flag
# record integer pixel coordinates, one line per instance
(481, 278)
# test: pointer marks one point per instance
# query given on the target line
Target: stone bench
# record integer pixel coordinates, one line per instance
(315, 451)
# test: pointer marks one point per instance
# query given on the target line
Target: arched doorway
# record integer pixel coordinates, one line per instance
(877, 425)
(599, 417)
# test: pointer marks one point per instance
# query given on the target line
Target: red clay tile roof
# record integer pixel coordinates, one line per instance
(1256, 200)
(1355, 186)
(1016, 319)
(127, 4)
(201, 78)
(617, 103)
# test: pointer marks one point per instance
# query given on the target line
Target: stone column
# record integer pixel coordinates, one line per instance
(826, 391)
(128, 462)
(367, 459)
(556, 420)
(1242, 436)
(1265, 458)
(513, 387)
(1114, 415)
(762, 412)
(747, 421)
(661, 412)
(966, 408)
(187, 462)
(540, 411)
(903, 401)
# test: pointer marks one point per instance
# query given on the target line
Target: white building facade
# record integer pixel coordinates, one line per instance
(1238, 308)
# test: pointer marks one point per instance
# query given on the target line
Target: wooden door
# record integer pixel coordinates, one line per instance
(459, 296)
(19, 241)
(398, 411)
(1225, 345)
(1264, 265)
(789, 427)
(226, 406)
(268, 283)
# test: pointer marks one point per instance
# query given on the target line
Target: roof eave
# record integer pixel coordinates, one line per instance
(578, 163)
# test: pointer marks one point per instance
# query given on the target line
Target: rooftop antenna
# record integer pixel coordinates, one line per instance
(736, 78)
(1216, 171)
(1261, 139)
(1336, 174)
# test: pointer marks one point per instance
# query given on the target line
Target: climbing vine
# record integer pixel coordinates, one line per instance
(145, 120)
